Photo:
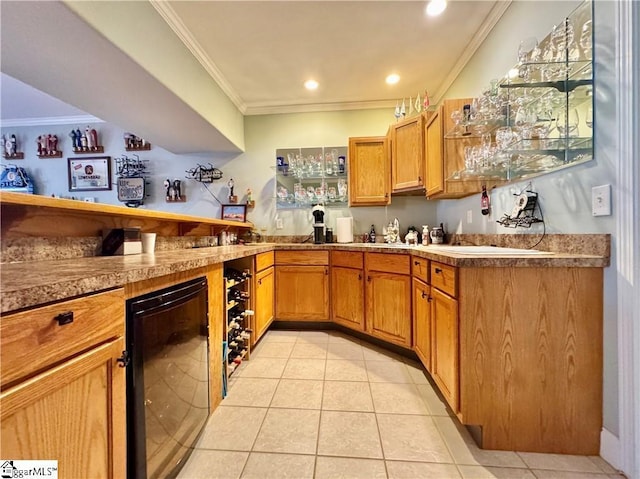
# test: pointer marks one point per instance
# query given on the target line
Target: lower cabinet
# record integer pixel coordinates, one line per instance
(388, 307)
(422, 322)
(264, 291)
(68, 410)
(445, 354)
(347, 294)
(302, 293)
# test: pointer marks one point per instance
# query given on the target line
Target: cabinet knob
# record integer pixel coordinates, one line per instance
(64, 318)
(416, 263)
(424, 294)
(123, 361)
(368, 278)
(438, 270)
(326, 271)
(359, 276)
(419, 179)
(429, 299)
(259, 281)
(386, 195)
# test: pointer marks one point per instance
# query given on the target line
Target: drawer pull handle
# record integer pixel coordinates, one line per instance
(416, 263)
(123, 361)
(438, 270)
(359, 276)
(429, 299)
(259, 281)
(368, 278)
(64, 318)
(424, 294)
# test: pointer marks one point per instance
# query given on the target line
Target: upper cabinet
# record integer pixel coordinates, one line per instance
(407, 155)
(369, 175)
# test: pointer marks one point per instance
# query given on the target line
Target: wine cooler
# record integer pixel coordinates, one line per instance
(167, 378)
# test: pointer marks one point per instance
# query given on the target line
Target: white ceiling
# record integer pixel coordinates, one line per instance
(259, 52)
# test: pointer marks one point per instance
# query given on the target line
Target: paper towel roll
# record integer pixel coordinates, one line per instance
(344, 230)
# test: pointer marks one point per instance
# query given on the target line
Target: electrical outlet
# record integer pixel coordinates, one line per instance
(279, 223)
(469, 216)
(601, 200)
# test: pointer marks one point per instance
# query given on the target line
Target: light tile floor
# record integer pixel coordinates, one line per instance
(315, 404)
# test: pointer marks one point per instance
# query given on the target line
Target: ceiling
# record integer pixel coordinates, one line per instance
(258, 52)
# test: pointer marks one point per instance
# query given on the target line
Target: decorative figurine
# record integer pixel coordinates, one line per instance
(232, 198)
(249, 196)
(411, 238)
(92, 138)
(84, 141)
(74, 141)
(78, 144)
(10, 146)
(425, 235)
(43, 145)
(177, 189)
(52, 144)
(171, 192)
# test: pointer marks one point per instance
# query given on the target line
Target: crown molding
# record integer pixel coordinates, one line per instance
(479, 37)
(267, 108)
(51, 120)
(175, 23)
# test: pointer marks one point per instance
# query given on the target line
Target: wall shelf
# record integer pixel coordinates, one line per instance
(33, 215)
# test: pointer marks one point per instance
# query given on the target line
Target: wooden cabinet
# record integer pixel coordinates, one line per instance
(388, 297)
(445, 353)
(369, 171)
(407, 155)
(422, 322)
(264, 307)
(302, 285)
(57, 407)
(347, 289)
(434, 153)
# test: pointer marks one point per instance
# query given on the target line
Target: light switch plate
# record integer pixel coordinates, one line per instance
(279, 223)
(601, 200)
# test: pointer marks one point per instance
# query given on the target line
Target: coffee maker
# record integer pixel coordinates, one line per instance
(318, 224)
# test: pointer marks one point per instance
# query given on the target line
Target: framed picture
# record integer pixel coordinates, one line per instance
(89, 174)
(234, 213)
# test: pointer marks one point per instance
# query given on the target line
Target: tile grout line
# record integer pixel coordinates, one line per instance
(375, 416)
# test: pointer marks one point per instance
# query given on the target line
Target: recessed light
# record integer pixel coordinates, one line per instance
(311, 84)
(392, 79)
(436, 7)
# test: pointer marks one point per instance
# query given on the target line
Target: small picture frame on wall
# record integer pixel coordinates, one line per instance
(237, 212)
(89, 174)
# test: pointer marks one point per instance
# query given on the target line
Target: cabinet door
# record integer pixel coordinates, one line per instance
(368, 169)
(347, 297)
(264, 300)
(422, 322)
(445, 354)
(407, 155)
(302, 293)
(434, 153)
(388, 310)
(69, 410)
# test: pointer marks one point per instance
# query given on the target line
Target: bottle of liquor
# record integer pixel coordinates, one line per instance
(372, 235)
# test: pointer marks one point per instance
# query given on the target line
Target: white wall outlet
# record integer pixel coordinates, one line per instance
(89, 199)
(279, 224)
(469, 216)
(601, 200)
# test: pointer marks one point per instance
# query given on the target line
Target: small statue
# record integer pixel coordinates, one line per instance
(249, 195)
(171, 192)
(176, 189)
(52, 144)
(43, 145)
(74, 141)
(13, 145)
(92, 138)
(411, 238)
(6, 144)
(230, 185)
(84, 141)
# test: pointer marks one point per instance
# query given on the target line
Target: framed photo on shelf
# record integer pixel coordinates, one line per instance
(234, 213)
(89, 174)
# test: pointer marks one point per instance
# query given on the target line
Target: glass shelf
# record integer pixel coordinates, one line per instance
(311, 176)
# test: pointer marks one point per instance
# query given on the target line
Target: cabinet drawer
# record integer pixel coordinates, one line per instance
(389, 263)
(347, 259)
(302, 257)
(444, 277)
(35, 339)
(264, 260)
(420, 268)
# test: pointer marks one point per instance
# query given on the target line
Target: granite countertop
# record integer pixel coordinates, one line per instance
(27, 284)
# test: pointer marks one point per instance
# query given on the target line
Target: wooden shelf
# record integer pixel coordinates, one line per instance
(16, 156)
(96, 149)
(35, 215)
(146, 147)
(57, 154)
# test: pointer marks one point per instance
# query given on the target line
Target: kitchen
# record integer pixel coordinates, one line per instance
(263, 135)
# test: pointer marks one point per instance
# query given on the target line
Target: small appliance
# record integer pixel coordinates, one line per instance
(318, 224)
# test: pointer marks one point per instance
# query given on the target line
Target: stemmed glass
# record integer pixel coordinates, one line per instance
(585, 39)
(567, 123)
(589, 119)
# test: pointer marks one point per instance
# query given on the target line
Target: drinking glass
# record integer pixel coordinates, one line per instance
(567, 123)
(589, 119)
(585, 39)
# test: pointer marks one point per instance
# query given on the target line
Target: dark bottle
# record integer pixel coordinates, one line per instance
(372, 235)
(328, 236)
(341, 163)
(485, 202)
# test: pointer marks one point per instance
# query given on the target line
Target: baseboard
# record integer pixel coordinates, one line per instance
(610, 449)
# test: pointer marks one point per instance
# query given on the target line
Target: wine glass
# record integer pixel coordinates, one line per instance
(589, 118)
(585, 39)
(567, 123)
